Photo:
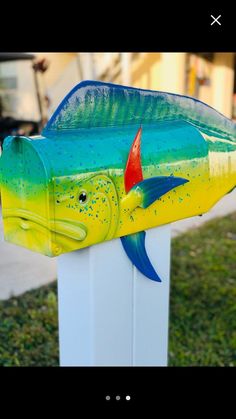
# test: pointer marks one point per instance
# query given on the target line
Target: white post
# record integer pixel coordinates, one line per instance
(109, 313)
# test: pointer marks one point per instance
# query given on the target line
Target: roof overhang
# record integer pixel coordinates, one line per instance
(15, 56)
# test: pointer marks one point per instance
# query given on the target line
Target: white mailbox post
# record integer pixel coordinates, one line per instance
(109, 313)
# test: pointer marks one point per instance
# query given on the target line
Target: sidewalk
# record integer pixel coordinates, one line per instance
(22, 270)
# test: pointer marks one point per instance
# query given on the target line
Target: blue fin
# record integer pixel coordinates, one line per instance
(134, 246)
(153, 188)
(98, 104)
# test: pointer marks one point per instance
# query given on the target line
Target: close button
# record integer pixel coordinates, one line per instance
(215, 20)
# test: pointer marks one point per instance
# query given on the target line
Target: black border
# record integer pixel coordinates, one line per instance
(166, 27)
(188, 389)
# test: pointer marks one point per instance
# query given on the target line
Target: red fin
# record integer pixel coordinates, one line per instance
(133, 170)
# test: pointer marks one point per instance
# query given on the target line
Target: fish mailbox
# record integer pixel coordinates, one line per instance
(112, 162)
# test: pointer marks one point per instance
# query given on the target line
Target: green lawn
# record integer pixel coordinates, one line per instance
(202, 306)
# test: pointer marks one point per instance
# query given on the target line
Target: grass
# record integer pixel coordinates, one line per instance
(203, 296)
(202, 306)
(29, 329)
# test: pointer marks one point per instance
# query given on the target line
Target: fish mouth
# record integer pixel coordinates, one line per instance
(27, 220)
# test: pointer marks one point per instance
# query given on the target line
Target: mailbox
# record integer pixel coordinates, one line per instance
(112, 162)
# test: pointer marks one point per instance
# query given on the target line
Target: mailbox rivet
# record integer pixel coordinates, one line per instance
(24, 225)
(57, 250)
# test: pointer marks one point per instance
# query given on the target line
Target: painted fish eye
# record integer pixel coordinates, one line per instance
(83, 197)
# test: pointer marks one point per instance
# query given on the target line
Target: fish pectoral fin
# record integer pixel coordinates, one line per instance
(149, 190)
(153, 188)
(134, 246)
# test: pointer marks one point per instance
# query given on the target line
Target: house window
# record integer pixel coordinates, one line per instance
(17, 90)
(8, 86)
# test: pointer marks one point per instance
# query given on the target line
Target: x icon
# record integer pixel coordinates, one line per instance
(215, 20)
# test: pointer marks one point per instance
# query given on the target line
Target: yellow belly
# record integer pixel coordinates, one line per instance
(209, 178)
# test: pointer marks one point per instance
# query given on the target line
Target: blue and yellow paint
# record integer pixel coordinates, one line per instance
(114, 161)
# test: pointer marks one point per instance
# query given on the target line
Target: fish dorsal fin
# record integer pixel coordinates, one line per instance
(97, 104)
(133, 171)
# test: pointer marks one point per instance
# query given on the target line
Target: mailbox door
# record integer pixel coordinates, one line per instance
(25, 190)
